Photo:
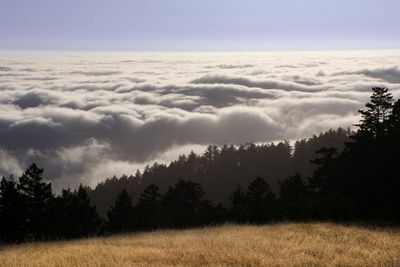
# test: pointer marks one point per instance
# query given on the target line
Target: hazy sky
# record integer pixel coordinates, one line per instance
(199, 25)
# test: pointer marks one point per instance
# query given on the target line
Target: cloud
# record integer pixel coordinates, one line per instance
(35, 98)
(94, 73)
(8, 74)
(2, 68)
(9, 164)
(237, 125)
(391, 75)
(222, 79)
(231, 66)
(303, 80)
(90, 118)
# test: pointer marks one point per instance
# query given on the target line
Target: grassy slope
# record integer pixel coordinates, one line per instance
(230, 245)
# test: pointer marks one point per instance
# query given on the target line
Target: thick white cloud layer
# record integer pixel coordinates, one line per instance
(85, 117)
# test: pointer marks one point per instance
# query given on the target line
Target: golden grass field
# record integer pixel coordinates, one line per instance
(290, 244)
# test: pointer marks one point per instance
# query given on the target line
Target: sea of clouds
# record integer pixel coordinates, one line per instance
(87, 116)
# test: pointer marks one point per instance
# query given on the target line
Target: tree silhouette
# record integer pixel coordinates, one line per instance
(220, 170)
(37, 197)
(362, 180)
(120, 216)
(75, 216)
(394, 119)
(182, 203)
(12, 212)
(321, 179)
(378, 110)
(148, 209)
(238, 205)
(295, 198)
(260, 201)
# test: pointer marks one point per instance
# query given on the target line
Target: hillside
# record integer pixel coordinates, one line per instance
(221, 169)
(230, 245)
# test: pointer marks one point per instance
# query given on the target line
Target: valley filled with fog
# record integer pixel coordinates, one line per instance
(85, 118)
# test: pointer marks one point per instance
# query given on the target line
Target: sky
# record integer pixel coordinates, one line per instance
(199, 25)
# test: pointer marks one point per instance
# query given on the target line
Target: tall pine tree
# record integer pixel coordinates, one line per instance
(148, 209)
(378, 110)
(120, 216)
(12, 212)
(37, 197)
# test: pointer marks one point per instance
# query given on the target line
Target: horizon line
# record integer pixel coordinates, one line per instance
(199, 50)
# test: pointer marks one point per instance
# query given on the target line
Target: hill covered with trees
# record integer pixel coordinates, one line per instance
(221, 169)
(351, 177)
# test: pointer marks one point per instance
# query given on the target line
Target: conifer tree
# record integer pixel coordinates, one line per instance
(37, 197)
(260, 201)
(394, 119)
(294, 198)
(182, 203)
(238, 209)
(12, 212)
(148, 209)
(377, 113)
(120, 216)
(74, 215)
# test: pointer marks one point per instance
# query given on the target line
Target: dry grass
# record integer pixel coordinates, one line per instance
(229, 245)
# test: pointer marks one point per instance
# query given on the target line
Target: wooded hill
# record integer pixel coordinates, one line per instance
(354, 177)
(222, 169)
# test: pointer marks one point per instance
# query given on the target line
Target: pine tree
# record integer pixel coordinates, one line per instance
(322, 177)
(394, 119)
(294, 197)
(260, 201)
(120, 215)
(182, 203)
(74, 215)
(89, 221)
(148, 208)
(37, 196)
(12, 212)
(377, 113)
(238, 209)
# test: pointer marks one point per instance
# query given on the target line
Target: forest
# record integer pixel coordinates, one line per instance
(339, 176)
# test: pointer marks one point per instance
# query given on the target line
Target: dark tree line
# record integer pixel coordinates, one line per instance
(30, 211)
(356, 182)
(221, 169)
(366, 173)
